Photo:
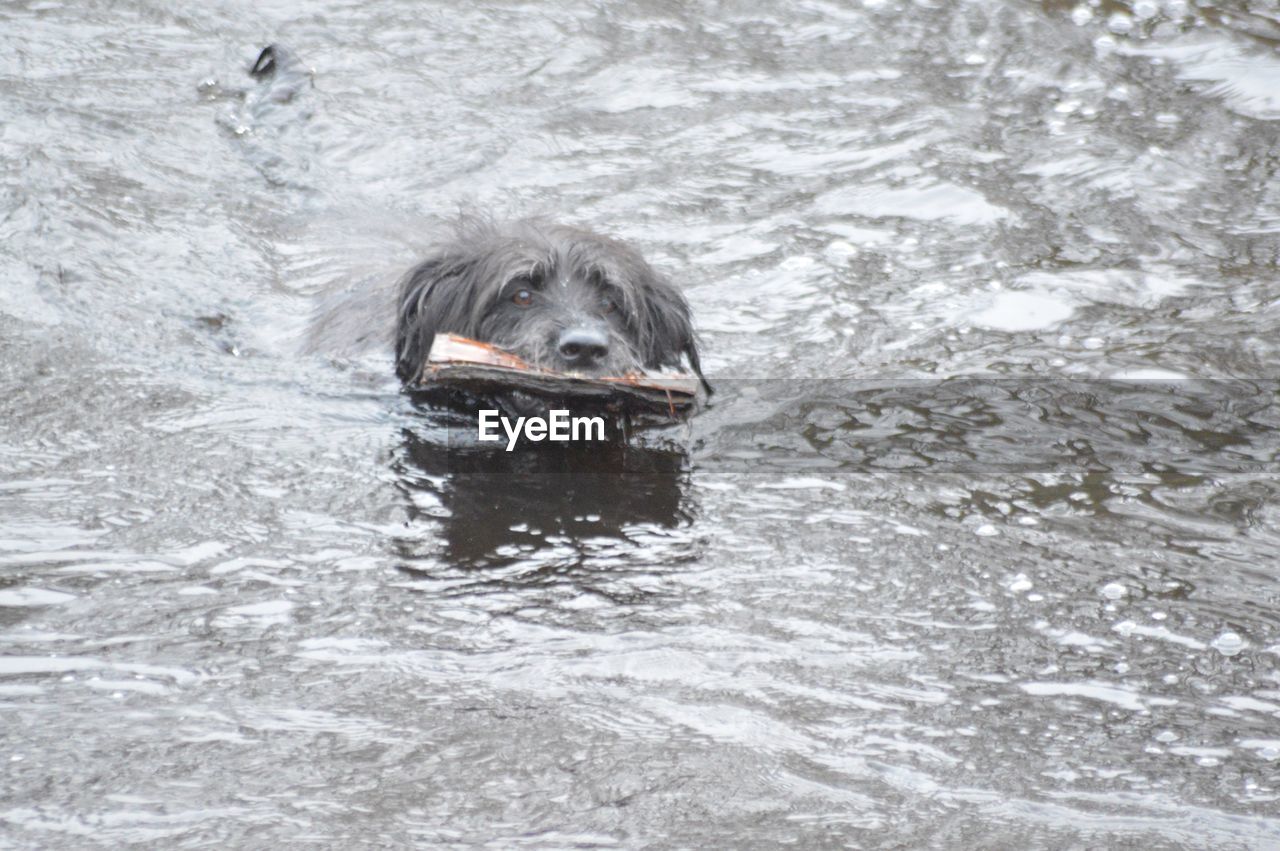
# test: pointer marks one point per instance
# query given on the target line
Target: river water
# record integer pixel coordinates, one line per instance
(245, 600)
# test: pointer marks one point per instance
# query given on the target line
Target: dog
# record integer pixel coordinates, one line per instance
(559, 297)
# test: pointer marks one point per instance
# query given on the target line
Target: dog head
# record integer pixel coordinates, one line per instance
(558, 297)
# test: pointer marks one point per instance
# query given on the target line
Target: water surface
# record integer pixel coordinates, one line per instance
(242, 602)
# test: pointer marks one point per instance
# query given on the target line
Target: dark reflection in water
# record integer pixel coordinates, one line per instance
(497, 507)
(1204, 429)
(1092, 444)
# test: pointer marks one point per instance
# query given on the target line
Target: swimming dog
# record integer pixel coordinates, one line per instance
(559, 297)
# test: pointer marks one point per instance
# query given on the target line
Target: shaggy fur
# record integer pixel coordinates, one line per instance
(539, 291)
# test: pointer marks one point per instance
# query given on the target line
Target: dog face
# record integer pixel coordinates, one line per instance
(565, 318)
(558, 297)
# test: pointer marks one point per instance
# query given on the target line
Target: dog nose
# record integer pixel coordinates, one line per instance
(583, 346)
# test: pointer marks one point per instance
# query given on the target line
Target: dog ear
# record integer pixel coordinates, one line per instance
(691, 352)
(434, 297)
(666, 327)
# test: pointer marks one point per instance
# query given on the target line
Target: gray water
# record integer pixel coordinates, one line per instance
(242, 603)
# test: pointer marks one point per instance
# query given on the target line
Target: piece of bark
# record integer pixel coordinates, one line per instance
(462, 363)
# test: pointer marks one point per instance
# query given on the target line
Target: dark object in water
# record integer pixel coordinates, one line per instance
(285, 73)
(480, 368)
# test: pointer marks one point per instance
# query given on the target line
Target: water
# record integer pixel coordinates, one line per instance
(245, 600)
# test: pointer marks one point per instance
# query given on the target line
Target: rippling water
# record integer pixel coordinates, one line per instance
(242, 600)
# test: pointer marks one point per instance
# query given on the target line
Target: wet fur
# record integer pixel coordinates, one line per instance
(466, 285)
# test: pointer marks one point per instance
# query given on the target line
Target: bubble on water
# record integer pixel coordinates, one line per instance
(1119, 23)
(1229, 643)
(1093, 342)
(1166, 736)
(1167, 118)
(1081, 15)
(1144, 9)
(841, 249)
(975, 59)
(1067, 107)
(1114, 591)
(1020, 583)
(1028, 520)
(986, 530)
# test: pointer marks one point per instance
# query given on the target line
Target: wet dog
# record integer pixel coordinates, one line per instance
(559, 297)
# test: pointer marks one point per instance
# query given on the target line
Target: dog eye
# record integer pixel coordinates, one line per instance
(608, 305)
(523, 297)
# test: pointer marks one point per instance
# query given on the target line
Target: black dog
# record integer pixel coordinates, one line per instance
(558, 297)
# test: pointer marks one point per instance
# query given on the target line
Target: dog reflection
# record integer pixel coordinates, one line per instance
(501, 507)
